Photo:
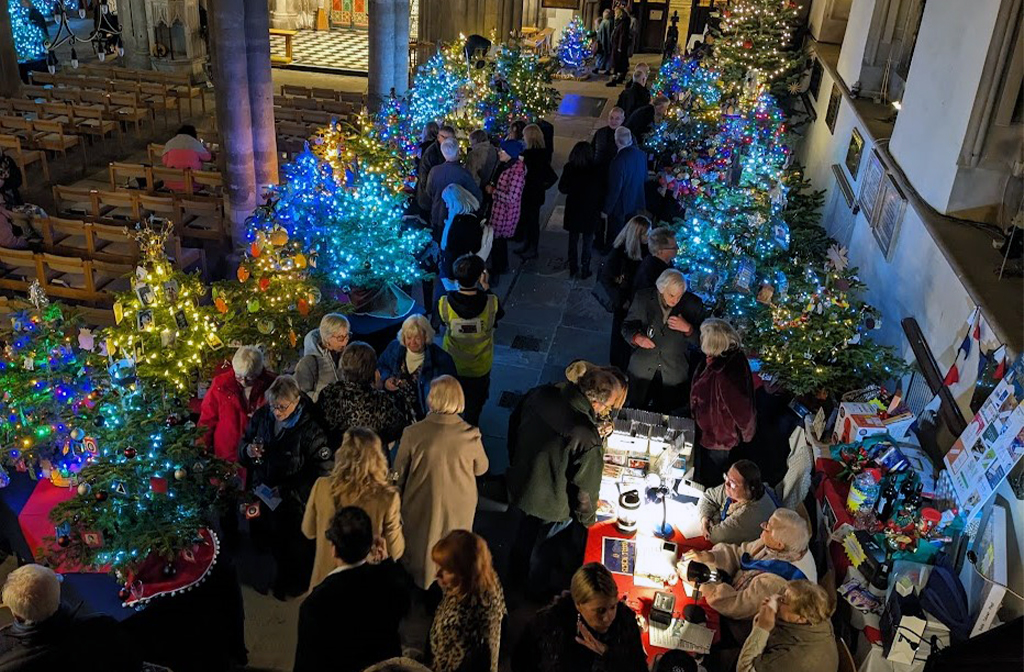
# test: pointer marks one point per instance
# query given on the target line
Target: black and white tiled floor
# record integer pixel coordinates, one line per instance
(339, 49)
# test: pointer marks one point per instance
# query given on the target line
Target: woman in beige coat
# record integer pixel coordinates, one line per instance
(359, 479)
(438, 461)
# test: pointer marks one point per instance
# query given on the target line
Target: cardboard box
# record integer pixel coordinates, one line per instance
(856, 421)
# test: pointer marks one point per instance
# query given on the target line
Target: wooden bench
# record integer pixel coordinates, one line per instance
(539, 42)
(288, 36)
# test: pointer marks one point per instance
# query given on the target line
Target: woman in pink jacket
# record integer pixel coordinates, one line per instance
(184, 150)
(506, 191)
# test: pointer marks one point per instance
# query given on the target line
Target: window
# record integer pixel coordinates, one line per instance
(1010, 106)
(814, 86)
(833, 108)
(889, 215)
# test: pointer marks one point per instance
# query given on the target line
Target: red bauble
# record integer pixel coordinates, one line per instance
(130, 452)
(124, 594)
(747, 44)
(101, 495)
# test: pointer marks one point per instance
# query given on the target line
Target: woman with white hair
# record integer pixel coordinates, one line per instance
(285, 450)
(412, 361)
(792, 633)
(616, 280)
(662, 327)
(759, 568)
(320, 365)
(721, 399)
(438, 461)
(462, 234)
(232, 399)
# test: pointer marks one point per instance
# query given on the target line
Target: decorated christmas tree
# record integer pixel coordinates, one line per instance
(147, 497)
(162, 324)
(29, 39)
(275, 299)
(518, 86)
(755, 39)
(573, 46)
(47, 393)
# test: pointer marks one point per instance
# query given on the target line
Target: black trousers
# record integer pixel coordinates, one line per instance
(477, 390)
(654, 394)
(712, 465)
(619, 351)
(545, 554)
(280, 532)
(529, 224)
(499, 256)
(574, 239)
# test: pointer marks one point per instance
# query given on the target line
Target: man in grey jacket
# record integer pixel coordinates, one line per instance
(732, 513)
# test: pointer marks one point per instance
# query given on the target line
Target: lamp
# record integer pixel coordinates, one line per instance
(698, 573)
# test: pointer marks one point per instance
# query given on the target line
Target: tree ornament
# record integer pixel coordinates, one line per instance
(101, 495)
(124, 593)
(221, 305)
(180, 474)
(84, 489)
(264, 284)
(242, 274)
(253, 305)
(130, 452)
(254, 250)
(63, 541)
(748, 44)
(279, 237)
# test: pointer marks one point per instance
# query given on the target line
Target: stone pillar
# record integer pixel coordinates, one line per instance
(10, 79)
(401, 51)
(261, 95)
(283, 16)
(134, 33)
(381, 45)
(231, 90)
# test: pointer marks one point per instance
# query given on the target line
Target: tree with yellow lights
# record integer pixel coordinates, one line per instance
(755, 39)
(274, 300)
(162, 324)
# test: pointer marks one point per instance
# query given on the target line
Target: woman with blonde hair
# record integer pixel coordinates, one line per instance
(721, 399)
(539, 178)
(615, 278)
(466, 631)
(792, 633)
(412, 361)
(438, 461)
(359, 478)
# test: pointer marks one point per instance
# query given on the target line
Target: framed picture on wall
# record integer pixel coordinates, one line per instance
(891, 206)
(854, 153)
(833, 108)
(560, 4)
(817, 72)
(870, 185)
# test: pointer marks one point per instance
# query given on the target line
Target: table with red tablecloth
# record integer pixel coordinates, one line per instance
(640, 598)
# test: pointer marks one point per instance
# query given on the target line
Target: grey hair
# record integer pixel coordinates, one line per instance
(331, 323)
(417, 322)
(623, 137)
(660, 239)
(450, 149)
(639, 74)
(248, 361)
(670, 277)
(32, 593)
(717, 337)
(458, 199)
(283, 388)
(619, 110)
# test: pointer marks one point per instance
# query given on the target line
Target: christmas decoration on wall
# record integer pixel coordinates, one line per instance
(162, 325)
(47, 393)
(573, 47)
(274, 298)
(29, 36)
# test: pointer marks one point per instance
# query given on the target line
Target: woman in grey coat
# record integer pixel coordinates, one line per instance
(319, 367)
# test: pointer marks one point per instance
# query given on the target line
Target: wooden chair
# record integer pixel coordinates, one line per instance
(67, 277)
(170, 180)
(111, 243)
(339, 108)
(18, 268)
(292, 129)
(23, 108)
(357, 99)
(121, 172)
(117, 206)
(41, 77)
(75, 202)
(325, 94)
(129, 74)
(92, 122)
(287, 114)
(123, 86)
(316, 117)
(157, 97)
(185, 258)
(65, 236)
(161, 206)
(128, 108)
(154, 153)
(34, 92)
(110, 278)
(61, 113)
(50, 136)
(18, 127)
(304, 103)
(206, 182)
(11, 145)
(295, 91)
(201, 219)
(5, 107)
(97, 100)
(180, 84)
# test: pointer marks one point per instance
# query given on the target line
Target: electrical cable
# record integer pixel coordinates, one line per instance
(972, 558)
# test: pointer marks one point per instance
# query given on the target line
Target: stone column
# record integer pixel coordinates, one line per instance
(135, 33)
(283, 16)
(10, 78)
(381, 45)
(261, 95)
(231, 90)
(401, 51)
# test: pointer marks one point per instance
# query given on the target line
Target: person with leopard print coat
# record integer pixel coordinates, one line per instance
(357, 401)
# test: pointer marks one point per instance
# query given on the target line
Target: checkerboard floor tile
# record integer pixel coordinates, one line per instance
(337, 49)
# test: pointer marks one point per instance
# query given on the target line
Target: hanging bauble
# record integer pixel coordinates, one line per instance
(64, 541)
(747, 44)
(84, 489)
(180, 474)
(253, 306)
(77, 434)
(315, 295)
(265, 326)
(264, 284)
(255, 250)
(101, 495)
(130, 452)
(221, 305)
(293, 338)
(300, 260)
(303, 307)
(279, 237)
(124, 594)
(243, 274)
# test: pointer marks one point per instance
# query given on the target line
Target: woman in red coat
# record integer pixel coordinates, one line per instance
(721, 398)
(232, 399)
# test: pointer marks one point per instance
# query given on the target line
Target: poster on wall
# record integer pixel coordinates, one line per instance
(991, 444)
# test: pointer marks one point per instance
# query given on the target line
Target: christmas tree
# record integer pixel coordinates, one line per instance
(162, 324)
(755, 39)
(149, 492)
(573, 46)
(275, 299)
(47, 392)
(518, 86)
(29, 39)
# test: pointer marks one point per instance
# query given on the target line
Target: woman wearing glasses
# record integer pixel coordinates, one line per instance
(285, 450)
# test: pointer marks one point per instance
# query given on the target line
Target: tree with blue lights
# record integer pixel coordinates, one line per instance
(29, 39)
(574, 46)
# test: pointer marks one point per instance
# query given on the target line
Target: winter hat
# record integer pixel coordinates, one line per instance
(512, 147)
(790, 529)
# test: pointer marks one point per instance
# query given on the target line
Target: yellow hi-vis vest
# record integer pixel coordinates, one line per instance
(470, 342)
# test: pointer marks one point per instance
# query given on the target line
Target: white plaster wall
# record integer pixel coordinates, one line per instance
(851, 57)
(941, 90)
(827, 20)
(557, 19)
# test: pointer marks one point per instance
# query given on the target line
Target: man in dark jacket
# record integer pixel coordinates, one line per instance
(662, 325)
(45, 633)
(661, 243)
(449, 172)
(350, 621)
(555, 450)
(642, 120)
(432, 156)
(604, 139)
(635, 95)
(627, 174)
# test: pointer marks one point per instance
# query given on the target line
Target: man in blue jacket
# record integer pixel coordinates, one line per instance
(626, 177)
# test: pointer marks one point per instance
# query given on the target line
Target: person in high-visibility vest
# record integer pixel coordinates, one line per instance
(469, 315)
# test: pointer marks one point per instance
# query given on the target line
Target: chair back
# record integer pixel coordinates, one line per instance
(48, 126)
(121, 172)
(125, 201)
(209, 181)
(10, 143)
(129, 100)
(295, 91)
(154, 153)
(75, 201)
(24, 106)
(326, 94)
(161, 206)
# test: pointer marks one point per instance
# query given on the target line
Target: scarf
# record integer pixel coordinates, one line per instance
(414, 360)
(781, 568)
(281, 425)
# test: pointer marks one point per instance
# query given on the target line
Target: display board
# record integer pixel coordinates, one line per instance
(991, 445)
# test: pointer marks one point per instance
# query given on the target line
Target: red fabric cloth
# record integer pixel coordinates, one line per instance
(640, 599)
(191, 567)
(722, 401)
(34, 521)
(508, 194)
(225, 411)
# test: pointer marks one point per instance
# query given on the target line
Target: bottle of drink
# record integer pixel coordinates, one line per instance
(887, 501)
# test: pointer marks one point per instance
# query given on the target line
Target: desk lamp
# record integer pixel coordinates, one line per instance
(697, 573)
